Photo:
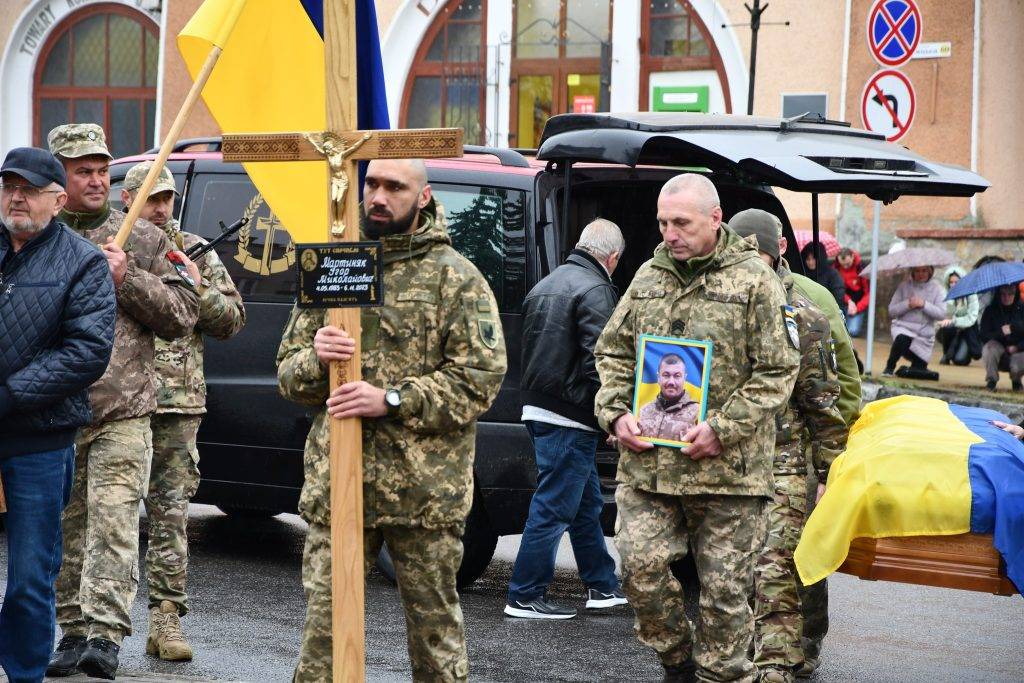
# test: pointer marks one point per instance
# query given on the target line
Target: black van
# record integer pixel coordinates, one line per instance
(516, 215)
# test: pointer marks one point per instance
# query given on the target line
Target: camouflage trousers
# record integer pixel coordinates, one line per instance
(777, 618)
(100, 574)
(173, 481)
(813, 598)
(426, 561)
(653, 531)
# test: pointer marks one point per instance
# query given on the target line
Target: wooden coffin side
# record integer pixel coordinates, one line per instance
(965, 561)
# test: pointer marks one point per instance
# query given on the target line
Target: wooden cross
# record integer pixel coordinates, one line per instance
(343, 148)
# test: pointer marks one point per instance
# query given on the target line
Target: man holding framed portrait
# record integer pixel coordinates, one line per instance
(705, 284)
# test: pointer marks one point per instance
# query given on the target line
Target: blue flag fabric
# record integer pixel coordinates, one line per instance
(995, 468)
(373, 99)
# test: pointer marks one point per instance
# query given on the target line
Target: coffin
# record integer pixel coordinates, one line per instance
(965, 561)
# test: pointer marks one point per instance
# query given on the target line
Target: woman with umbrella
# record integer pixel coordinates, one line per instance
(914, 309)
(958, 333)
(1002, 322)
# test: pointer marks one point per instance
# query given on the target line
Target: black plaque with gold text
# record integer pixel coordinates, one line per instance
(340, 274)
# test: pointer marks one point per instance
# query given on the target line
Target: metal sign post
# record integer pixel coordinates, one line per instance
(873, 294)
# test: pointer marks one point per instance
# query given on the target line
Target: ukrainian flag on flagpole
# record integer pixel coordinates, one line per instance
(653, 351)
(917, 466)
(270, 79)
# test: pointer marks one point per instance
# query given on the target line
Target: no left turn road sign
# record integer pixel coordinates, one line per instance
(888, 103)
(894, 31)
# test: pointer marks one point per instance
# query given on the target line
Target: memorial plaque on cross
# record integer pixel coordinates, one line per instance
(343, 147)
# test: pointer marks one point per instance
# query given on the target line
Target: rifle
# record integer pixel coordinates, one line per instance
(199, 250)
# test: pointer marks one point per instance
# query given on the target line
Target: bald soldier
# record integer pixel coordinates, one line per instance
(810, 423)
(181, 403)
(704, 282)
(433, 358)
(100, 575)
(672, 413)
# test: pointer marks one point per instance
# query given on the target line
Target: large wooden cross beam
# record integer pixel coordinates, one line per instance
(343, 147)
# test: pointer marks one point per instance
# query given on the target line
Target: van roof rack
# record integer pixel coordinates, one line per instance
(507, 157)
(212, 145)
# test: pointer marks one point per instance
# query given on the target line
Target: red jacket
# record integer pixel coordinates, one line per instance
(857, 287)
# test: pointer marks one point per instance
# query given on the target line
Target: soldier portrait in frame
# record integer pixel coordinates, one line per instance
(670, 392)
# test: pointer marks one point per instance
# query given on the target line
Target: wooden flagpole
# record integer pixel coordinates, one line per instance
(169, 142)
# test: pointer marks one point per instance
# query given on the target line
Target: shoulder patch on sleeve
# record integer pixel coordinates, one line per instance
(789, 320)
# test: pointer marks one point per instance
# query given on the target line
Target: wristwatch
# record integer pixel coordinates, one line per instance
(393, 399)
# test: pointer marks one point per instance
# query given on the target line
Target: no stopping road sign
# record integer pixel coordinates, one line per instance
(894, 30)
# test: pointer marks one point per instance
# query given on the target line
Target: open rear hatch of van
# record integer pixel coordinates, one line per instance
(803, 154)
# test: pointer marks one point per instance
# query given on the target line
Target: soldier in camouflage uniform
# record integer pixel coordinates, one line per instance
(98, 580)
(810, 422)
(704, 282)
(433, 358)
(672, 413)
(181, 403)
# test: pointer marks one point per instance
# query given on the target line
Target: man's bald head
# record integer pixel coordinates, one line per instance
(701, 190)
(393, 193)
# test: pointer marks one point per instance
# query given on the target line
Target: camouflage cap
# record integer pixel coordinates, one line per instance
(766, 227)
(137, 174)
(75, 140)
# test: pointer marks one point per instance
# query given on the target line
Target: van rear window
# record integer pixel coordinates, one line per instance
(260, 258)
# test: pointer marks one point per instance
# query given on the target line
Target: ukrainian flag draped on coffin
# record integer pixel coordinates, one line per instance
(918, 466)
(270, 79)
(693, 359)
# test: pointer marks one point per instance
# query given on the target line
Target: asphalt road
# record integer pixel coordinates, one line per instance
(247, 609)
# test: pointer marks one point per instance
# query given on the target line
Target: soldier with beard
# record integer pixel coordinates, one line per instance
(181, 403)
(433, 358)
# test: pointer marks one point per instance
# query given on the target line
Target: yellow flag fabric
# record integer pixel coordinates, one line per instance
(904, 473)
(270, 78)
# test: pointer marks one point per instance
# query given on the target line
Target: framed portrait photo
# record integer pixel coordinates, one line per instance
(670, 395)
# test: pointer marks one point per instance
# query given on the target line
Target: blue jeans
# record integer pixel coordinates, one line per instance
(568, 497)
(855, 324)
(37, 487)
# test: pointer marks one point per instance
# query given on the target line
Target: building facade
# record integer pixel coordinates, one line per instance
(499, 68)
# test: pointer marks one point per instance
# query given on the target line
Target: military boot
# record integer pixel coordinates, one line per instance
(681, 673)
(165, 637)
(99, 659)
(775, 674)
(64, 661)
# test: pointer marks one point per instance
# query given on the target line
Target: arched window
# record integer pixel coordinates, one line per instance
(100, 66)
(447, 80)
(674, 39)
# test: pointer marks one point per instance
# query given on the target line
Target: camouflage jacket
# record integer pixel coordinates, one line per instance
(152, 299)
(181, 384)
(438, 339)
(812, 417)
(671, 422)
(736, 302)
(849, 373)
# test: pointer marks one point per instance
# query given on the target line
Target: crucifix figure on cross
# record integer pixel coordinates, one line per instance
(461, 343)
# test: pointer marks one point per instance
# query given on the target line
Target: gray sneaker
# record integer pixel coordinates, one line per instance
(599, 600)
(539, 608)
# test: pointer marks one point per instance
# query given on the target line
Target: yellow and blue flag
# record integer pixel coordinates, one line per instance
(696, 357)
(270, 79)
(917, 466)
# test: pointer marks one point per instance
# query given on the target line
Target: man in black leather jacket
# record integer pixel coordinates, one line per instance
(57, 313)
(564, 315)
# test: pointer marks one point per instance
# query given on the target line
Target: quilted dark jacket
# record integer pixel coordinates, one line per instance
(57, 313)
(563, 316)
